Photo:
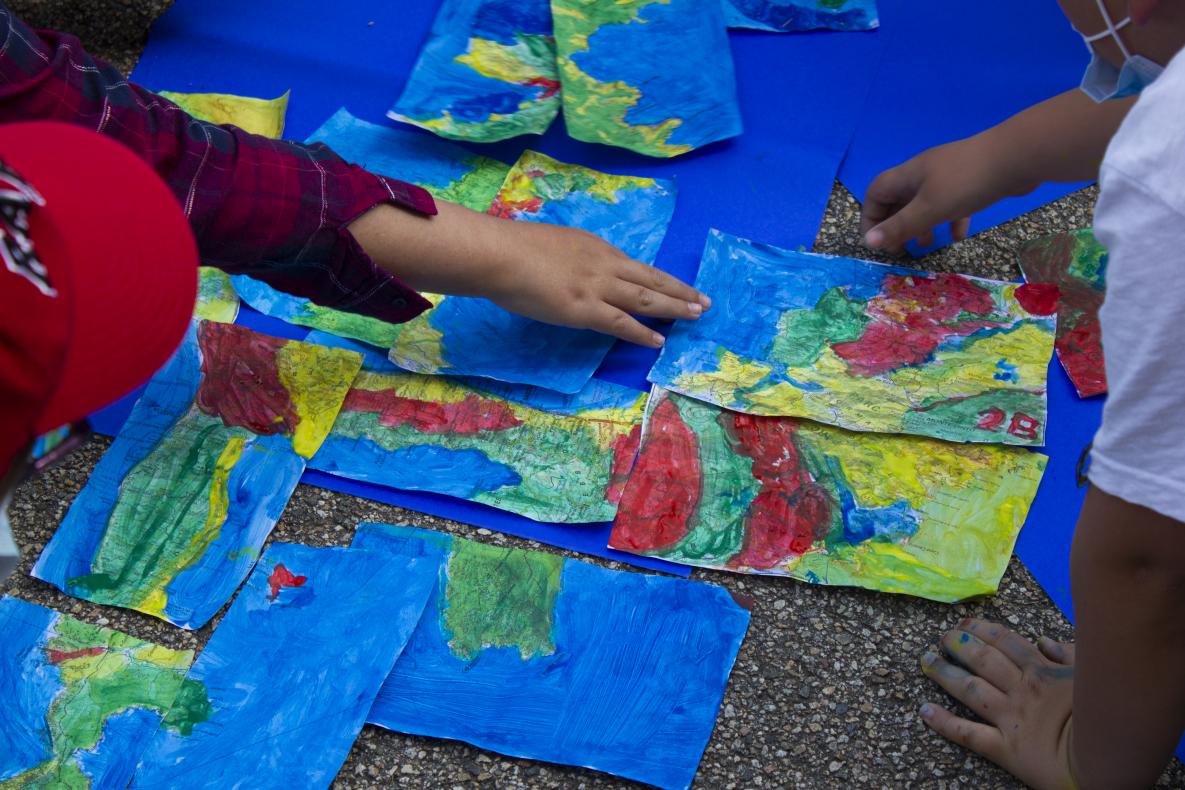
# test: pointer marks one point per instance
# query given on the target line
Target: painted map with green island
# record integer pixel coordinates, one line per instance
(81, 701)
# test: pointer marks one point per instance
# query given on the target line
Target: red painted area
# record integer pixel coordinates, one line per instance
(791, 511)
(58, 656)
(625, 449)
(280, 578)
(663, 490)
(991, 419)
(911, 318)
(550, 87)
(509, 209)
(474, 414)
(1038, 298)
(240, 380)
(1081, 351)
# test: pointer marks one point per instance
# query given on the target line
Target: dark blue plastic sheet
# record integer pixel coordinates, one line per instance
(952, 69)
(801, 97)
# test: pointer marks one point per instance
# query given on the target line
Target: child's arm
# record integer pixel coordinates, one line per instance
(1128, 577)
(1060, 139)
(547, 272)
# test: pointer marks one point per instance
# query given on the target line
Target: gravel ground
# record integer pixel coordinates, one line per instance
(826, 687)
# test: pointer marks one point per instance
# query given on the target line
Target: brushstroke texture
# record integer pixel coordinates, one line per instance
(293, 668)
(1077, 264)
(865, 346)
(80, 701)
(536, 656)
(791, 16)
(486, 73)
(653, 76)
(172, 518)
(546, 456)
(790, 497)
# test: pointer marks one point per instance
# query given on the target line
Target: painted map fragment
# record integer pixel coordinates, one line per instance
(1077, 264)
(543, 455)
(216, 299)
(293, 668)
(257, 116)
(474, 337)
(486, 73)
(173, 517)
(81, 701)
(533, 655)
(790, 497)
(786, 16)
(865, 346)
(653, 76)
(445, 169)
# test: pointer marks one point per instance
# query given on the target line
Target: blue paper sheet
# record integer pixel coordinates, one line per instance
(468, 336)
(293, 668)
(546, 456)
(951, 70)
(79, 701)
(656, 78)
(532, 655)
(173, 517)
(791, 16)
(487, 72)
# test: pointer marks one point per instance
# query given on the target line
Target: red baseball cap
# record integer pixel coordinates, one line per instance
(98, 277)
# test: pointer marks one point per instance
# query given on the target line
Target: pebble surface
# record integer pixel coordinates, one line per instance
(827, 686)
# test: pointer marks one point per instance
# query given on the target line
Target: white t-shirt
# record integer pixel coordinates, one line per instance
(1139, 453)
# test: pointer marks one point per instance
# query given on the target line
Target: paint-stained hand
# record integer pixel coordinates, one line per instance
(946, 184)
(573, 278)
(1021, 691)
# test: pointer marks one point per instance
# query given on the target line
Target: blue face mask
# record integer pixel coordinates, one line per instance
(1102, 80)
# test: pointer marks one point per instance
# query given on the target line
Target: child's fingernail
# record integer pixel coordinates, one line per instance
(874, 238)
(929, 657)
(695, 309)
(705, 300)
(657, 339)
(926, 710)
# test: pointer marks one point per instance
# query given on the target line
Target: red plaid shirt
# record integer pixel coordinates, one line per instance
(269, 208)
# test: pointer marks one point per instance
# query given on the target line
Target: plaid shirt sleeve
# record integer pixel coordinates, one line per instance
(269, 208)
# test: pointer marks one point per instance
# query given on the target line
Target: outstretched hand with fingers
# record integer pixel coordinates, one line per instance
(1021, 691)
(570, 277)
(943, 185)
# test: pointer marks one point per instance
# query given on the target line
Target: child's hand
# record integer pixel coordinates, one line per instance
(944, 184)
(1023, 692)
(569, 277)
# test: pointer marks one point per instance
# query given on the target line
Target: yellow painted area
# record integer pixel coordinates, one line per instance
(732, 373)
(317, 379)
(217, 300)
(964, 370)
(156, 599)
(257, 116)
(520, 186)
(105, 664)
(500, 62)
(163, 656)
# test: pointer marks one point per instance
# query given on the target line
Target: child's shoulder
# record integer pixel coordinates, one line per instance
(1149, 148)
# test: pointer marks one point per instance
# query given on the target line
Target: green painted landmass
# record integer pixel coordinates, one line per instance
(374, 331)
(718, 531)
(158, 526)
(499, 597)
(803, 334)
(477, 188)
(952, 419)
(564, 470)
(1089, 259)
(103, 673)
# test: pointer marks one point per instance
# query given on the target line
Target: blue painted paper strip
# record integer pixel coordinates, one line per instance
(627, 678)
(293, 668)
